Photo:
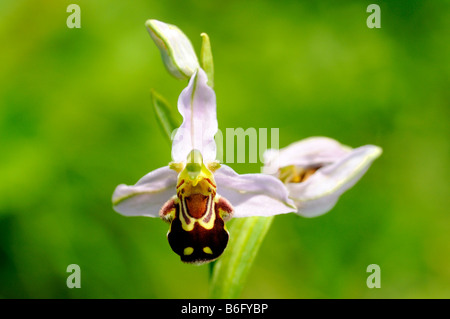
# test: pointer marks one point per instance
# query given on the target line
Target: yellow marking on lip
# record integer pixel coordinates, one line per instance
(207, 250)
(188, 222)
(188, 251)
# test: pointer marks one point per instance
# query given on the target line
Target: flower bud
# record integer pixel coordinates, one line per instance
(176, 50)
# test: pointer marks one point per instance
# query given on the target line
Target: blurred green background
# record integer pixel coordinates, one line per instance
(76, 120)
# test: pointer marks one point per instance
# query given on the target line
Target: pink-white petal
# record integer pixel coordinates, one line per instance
(320, 192)
(253, 194)
(311, 151)
(148, 195)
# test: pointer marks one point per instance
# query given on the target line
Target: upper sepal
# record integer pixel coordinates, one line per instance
(197, 105)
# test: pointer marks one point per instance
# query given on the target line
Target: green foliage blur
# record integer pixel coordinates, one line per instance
(76, 120)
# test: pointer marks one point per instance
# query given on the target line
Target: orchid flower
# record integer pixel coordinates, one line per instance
(196, 194)
(318, 170)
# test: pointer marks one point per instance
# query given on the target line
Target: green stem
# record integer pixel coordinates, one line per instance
(230, 271)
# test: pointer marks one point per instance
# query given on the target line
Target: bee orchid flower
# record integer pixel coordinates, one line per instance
(195, 193)
(318, 170)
